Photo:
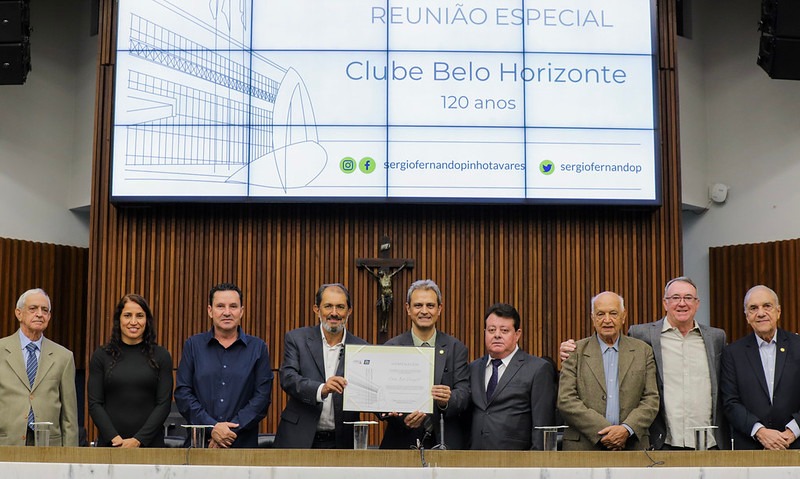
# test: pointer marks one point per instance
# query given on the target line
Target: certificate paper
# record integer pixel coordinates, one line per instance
(388, 378)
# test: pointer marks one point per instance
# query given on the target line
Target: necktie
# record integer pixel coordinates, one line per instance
(30, 368)
(493, 380)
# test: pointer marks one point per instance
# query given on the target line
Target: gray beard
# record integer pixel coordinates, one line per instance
(331, 329)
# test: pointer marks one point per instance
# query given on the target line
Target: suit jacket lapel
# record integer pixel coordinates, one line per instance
(595, 362)
(655, 342)
(625, 358)
(340, 368)
(711, 354)
(14, 358)
(481, 381)
(754, 358)
(781, 345)
(45, 362)
(514, 365)
(439, 358)
(314, 345)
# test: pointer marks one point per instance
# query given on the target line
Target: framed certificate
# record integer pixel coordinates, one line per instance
(388, 378)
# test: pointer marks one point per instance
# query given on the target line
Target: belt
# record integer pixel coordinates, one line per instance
(325, 435)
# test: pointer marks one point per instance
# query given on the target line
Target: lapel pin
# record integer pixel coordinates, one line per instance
(783, 350)
(441, 351)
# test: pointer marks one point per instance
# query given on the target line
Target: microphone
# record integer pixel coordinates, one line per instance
(441, 446)
(421, 449)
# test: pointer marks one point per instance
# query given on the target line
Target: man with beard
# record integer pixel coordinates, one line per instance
(312, 376)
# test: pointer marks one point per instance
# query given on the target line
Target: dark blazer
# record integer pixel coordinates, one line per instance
(302, 372)
(450, 369)
(524, 398)
(53, 396)
(744, 388)
(714, 339)
(582, 393)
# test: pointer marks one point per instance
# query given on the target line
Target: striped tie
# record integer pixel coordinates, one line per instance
(31, 367)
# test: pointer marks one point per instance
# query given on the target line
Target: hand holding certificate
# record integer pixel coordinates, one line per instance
(388, 379)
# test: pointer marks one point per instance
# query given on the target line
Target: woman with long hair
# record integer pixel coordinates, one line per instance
(130, 380)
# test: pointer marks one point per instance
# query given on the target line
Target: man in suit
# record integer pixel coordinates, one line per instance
(607, 392)
(687, 361)
(760, 384)
(451, 378)
(512, 391)
(50, 396)
(312, 376)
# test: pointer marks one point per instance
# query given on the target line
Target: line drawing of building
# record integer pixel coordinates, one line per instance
(220, 114)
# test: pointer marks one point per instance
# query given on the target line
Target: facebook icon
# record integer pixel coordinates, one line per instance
(366, 165)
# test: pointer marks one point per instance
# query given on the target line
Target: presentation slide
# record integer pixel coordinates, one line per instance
(548, 101)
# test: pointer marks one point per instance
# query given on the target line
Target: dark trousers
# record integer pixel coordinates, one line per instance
(324, 440)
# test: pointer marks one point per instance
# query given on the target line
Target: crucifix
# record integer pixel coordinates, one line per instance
(383, 268)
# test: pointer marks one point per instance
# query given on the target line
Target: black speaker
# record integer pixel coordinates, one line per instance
(15, 47)
(15, 21)
(779, 57)
(15, 63)
(780, 18)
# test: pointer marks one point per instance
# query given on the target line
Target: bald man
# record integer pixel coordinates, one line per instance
(607, 392)
(760, 384)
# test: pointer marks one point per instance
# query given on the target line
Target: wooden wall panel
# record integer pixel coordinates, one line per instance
(735, 269)
(61, 271)
(547, 261)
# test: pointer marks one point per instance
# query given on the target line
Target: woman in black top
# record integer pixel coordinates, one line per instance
(130, 380)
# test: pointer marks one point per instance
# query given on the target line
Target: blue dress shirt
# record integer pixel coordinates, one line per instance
(611, 370)
(216, 384)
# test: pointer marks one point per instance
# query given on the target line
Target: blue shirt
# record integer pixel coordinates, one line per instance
(611, 370)
(216, 384)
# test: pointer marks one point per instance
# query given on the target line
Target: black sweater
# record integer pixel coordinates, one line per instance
(135, 399)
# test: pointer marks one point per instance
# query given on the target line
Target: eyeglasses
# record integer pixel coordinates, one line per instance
(677, 299)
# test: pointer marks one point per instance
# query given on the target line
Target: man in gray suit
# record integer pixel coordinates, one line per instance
(607, 392)
(512, 391)
(312, 376)
(688, 361)
(37, 378)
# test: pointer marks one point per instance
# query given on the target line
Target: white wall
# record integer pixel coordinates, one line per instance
(88, 46)
(46, 128)
(752, 127)
(692, 111)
